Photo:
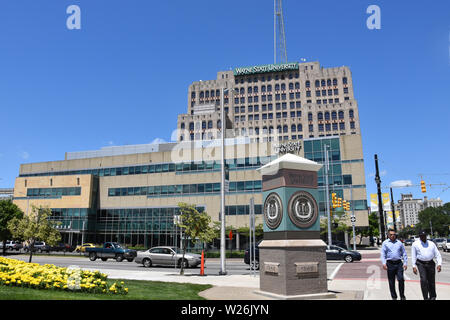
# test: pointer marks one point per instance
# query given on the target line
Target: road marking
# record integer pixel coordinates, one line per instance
(336, 271)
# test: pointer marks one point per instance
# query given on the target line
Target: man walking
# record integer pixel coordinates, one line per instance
(423, 252)
(392, 253)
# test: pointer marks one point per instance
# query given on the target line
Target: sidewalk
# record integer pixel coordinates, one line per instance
(243, 287)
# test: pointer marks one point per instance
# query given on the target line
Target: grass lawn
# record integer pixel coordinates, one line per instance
(138, 290)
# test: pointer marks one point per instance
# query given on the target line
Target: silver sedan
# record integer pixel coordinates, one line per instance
(167, 256)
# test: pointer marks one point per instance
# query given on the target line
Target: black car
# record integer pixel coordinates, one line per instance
(408, 242)
(247, 256)
(339, 243)
(64, 247)
(338, 253)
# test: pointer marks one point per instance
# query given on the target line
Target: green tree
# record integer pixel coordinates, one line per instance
(196, 226)
(437, 219)
(373, 230)
(8, 211)
(338, 223)
(35, 226)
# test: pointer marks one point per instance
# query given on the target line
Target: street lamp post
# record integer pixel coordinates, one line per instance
(327, 194)
(222, 188)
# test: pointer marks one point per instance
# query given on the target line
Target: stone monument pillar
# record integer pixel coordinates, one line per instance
(292, 256)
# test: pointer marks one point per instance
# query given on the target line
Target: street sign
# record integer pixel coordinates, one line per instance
(353, 219)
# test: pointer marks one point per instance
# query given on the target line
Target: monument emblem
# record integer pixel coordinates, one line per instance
(273, 210)
(302, 209)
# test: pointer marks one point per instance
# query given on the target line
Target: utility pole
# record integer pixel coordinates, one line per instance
(380, 201)
(327, 195)
(393, 211)
(223, 127)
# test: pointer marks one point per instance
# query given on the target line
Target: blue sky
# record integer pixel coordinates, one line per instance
(123, 78)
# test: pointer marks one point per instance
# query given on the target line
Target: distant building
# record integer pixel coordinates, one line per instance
(7, 193)
(409, 208)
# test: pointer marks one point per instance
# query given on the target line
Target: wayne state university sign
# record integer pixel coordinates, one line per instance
(266, 68)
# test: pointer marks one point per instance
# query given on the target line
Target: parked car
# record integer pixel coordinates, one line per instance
(110, 250)
(338, 253)
(12, 245)
(64, 247)
(408, 242)
(167, 256)
(339, 243)
(39, 246)
(247, 256)
(439, 242)
(82, 247)
(447, 245)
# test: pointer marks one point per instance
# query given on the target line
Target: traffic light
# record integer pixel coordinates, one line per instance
(423, 186)
(346, 205)
(339, 202)
(334, 200)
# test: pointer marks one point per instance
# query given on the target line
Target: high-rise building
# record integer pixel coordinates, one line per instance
(409, 208)
(274, 102)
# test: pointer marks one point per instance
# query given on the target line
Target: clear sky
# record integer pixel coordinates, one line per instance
(123, 78)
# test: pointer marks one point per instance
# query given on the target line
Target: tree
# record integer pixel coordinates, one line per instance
(338, 223)
(196, 226)
(437, 219)
(8, 211)
(373, 230)
(35, 226)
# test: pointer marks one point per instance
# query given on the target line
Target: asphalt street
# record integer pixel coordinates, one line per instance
(370, 265)
(212, 265)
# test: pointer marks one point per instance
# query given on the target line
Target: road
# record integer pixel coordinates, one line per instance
(369, 267)
(212, 265)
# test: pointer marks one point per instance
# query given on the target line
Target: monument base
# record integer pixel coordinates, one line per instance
(325, 295)
(293, 268)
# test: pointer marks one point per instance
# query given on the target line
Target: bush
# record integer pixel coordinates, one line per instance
(50, 277)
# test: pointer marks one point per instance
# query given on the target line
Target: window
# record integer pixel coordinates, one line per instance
(310, 117)
(297, 85)
(307, 84)
(344, 80)
(320, 116)
(317, 84)
(351, 113)
(327, 115)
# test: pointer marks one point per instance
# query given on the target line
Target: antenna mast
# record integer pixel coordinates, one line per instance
(280, 52)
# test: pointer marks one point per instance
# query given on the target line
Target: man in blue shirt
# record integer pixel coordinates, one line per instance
(392, 253)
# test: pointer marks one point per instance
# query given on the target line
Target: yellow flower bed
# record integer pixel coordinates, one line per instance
(32, 275)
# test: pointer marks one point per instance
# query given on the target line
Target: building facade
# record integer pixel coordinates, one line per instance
(409, 208)
(130, 194)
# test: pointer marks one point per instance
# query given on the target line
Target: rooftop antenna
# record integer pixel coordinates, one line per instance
(280, 53)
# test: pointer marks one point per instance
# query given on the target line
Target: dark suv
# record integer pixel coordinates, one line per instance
(247, 256)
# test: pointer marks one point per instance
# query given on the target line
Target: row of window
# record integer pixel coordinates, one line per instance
(164, 214)
(53, 192)
(265, 78)
(233, 164)
(268, 97)
(278, 87)
(185, 189)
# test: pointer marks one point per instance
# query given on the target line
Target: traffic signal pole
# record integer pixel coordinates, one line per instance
(380, 201)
